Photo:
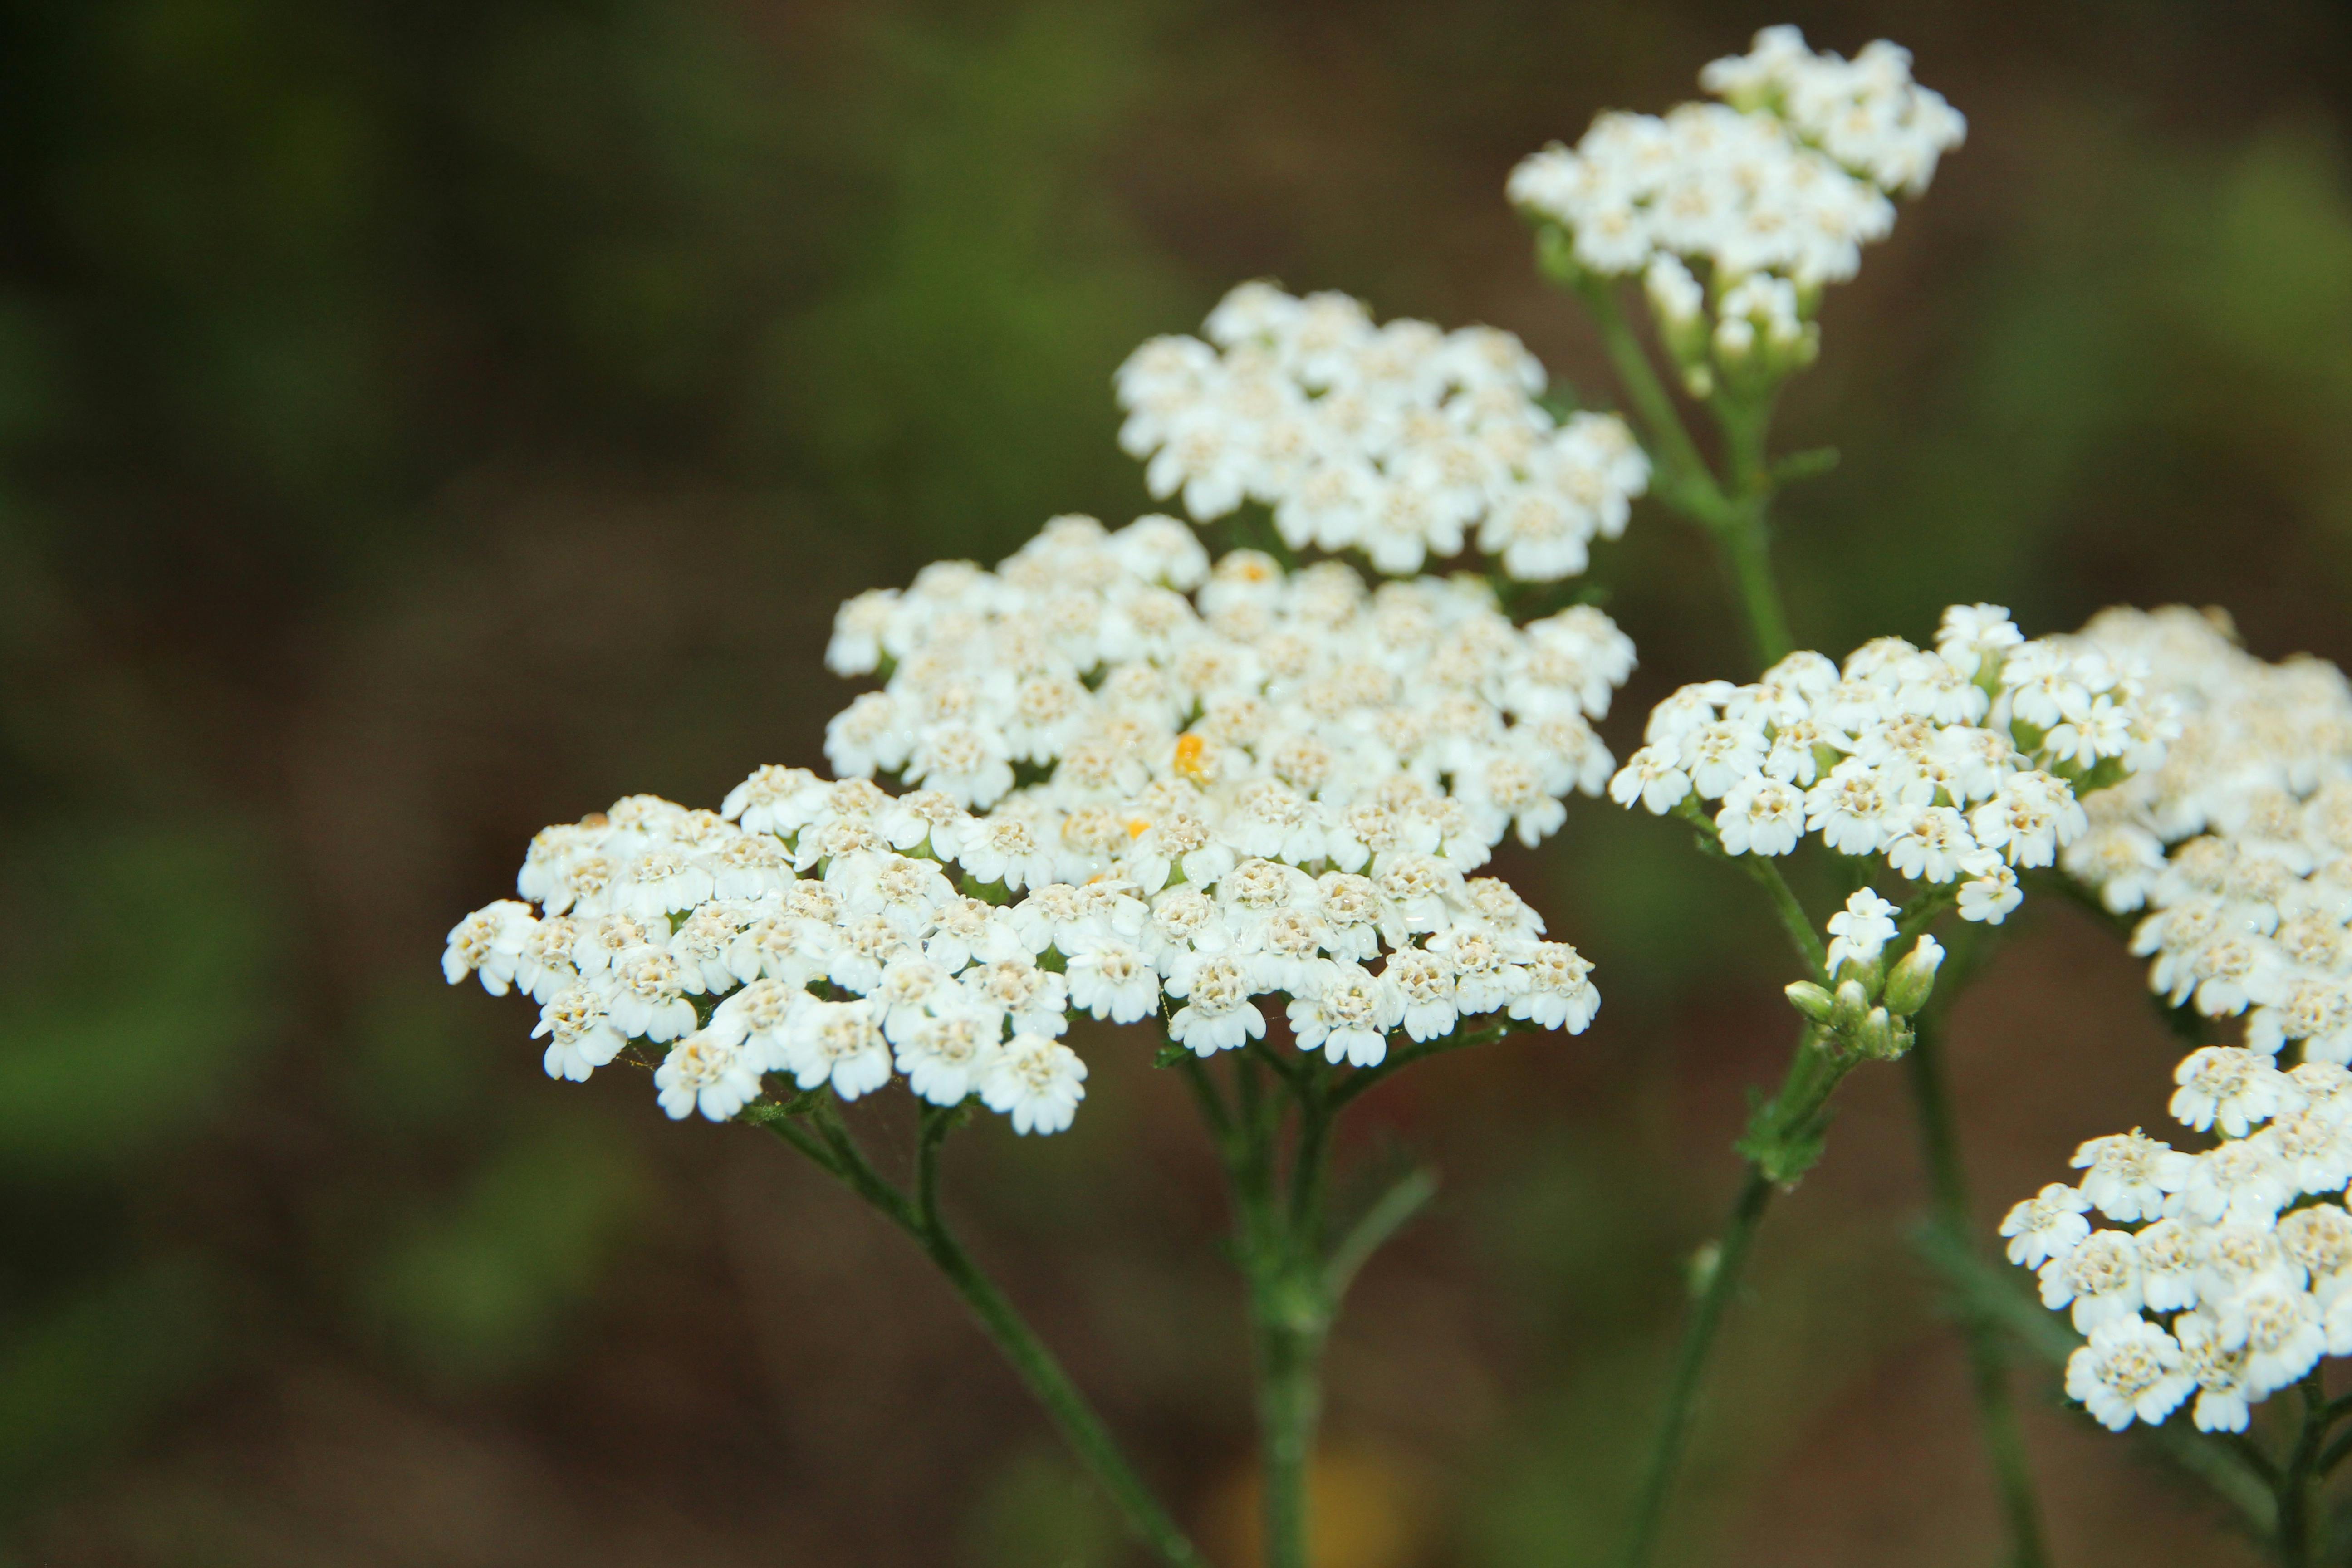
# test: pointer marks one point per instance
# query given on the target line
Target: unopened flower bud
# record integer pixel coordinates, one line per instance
(1914, 979)
(1812, 1001)
(1867, 973)
(1849, 1007)
(1878, 1037)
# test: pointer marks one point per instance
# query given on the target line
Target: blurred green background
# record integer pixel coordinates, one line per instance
(423, 422)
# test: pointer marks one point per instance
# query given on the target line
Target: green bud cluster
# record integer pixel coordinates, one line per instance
(1869, 1011)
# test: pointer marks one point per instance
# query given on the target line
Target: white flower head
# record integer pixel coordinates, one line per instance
(2130, 1371)
(707, 1073)
(1127, 781)
(2047, 1225)
(1036, 1081)
(1860, 932)
(1401, 442)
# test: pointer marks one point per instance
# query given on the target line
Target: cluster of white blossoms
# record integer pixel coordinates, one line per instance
(1865, 112)
(1772, 193)
(1177, 714)
(1131, 800)
(746, 952)
(2227, 1271)
(1400, 440)
(2241, 844)
(1963, 763)
(2230, 1274)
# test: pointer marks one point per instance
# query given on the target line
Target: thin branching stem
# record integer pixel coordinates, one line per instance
(1311, 1164)
(1783, 1140)
(1211, 1102)
(1684, 481)
(2295, 1532)
(1402, 1057)
(1797, 925)
(834, 1151)
(1735, 510)
(2333, 1454)
(1390, 1213)
(2004, 1440)
(1719, 1282)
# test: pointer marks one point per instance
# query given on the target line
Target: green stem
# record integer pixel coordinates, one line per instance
(1746, 532)
(1722, 1282)
(1747, 556)
(1745, 423)
(1279, 1228)
(1736, 511)
(1389, 1213)
(1211, 1104)
(1290, 1406)
(1988, 1366)
(2265, 1468)
(1803, 936)
(1402, 1057)
(1783, 1141)
(2295, 1521)
(1685, 483)
(1276, 1243)
(835, 1151)
(2334, 1454)
(1311, 1164)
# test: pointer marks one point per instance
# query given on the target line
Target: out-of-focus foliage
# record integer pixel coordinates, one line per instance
(425, 422)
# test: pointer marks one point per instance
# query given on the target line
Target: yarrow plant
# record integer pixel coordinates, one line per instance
(1402, 441)
(2221, 1275)
(1959, 765)
(1246, 799)
(1135, 785)
(1734, 215)
(1952, 769)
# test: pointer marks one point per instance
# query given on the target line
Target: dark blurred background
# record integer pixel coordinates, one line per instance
(423, 422)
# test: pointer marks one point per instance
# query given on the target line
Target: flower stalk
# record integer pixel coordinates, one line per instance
(2004, 1440)
(834, 1151)
(1734, 512)
(1785, 1135)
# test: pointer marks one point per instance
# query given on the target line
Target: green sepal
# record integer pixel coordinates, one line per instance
(765, 1111)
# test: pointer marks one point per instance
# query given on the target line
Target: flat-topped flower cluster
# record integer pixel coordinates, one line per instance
(1768, 196)
(1183, 713)
(2226, 1272)
(1132, 801)
(1962, 763)
(2241, 844)
(1402, 441)
(1866, 112)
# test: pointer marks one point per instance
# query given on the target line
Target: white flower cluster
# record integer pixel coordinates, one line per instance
(1402, 441)
(1133, 803)
(2241, 844)
(1959, 763)
(1866, 112)
(1177, 709)
(1773, 194)
(2231, 1273)
(2228, 1272)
